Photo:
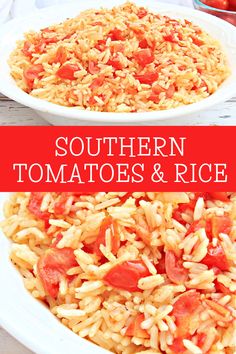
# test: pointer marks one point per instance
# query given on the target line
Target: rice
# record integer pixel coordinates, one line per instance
(124, 59)
(161, 292)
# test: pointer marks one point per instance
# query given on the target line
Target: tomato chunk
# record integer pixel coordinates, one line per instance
(219, 4)
(148, 78)
(174, 269)
(116, 35)
(221, 288)
(126, 275)
(144, 56)
(135, 330)
(222, 196)
(28, 49)
(108, 223)
(216, 257)
(221, 224)
(93, 68)
(142, 12)
(52, 266)
(183, 310)
(115, 63)
(97, 82)
(61, 55)
(177, 346)
(34, 206)
(67, 71)
(32, 73)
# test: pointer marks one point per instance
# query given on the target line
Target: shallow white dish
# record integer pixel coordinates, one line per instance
(58, 115)
(27, 319)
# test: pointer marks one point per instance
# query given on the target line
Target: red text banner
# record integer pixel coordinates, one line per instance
(117, 159)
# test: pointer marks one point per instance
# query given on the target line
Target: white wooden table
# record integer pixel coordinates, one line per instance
(13, 113)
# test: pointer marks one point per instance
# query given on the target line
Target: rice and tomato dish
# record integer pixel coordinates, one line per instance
(124, 59)
(132, 272)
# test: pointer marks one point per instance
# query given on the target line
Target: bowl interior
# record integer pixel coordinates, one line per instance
(14, 30)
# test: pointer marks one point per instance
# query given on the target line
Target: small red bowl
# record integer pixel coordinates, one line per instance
(226, 15)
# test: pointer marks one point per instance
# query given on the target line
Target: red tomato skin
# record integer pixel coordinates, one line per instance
(93, 68)
(116, 35)
(67, 71)
(100, 240)
(222, 196)
(61, 55)
(135, 330)
(216, 257)
(115, 63)
(161, 267)
(148, 78)
(126, 275)
(34, 205)
(97, 82)
(221, 224)
(177, 346)
(142, 12)
(144, 57)
(52, 266)
(31, 73)
(170, 91)
(183, 309)
(27, 49)
(218, 4)
(174, 270)
(221, 288)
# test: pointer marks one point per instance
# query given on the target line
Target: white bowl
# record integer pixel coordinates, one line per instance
(27, 319)
(58, 115)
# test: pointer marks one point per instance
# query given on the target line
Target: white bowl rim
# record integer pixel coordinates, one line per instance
(18, 95)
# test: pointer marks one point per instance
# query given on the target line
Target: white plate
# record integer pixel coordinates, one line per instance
(27, 319)
(58, 115)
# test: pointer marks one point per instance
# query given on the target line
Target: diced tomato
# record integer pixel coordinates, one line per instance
(108, 223)
(67, 71)
(142, 12)
(93, 68)
(221, 224)
(221, 288)
(143, 43)
(135, 330)
(170, 91)
(216, 257)
(201, 338)
(27, 49)
(195, 226)
(117, 47)
(183, 310)
(34, 206)
(126, 275)
(101, 45)
(97, 82)
(31, 73)
(161, 266)
(53, 265)
(115, 63)
(97, 23)
(170, 38)
(219, 4)
(58, 238)
(49, 40)
(148, 78)
(154, 98)
(116, 35)
(61, 55)
(174, 268)
(144, 57)
(222, 196)
(177, 346)
(197, 41)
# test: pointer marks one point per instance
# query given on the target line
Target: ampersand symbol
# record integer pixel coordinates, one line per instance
(158, 175)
